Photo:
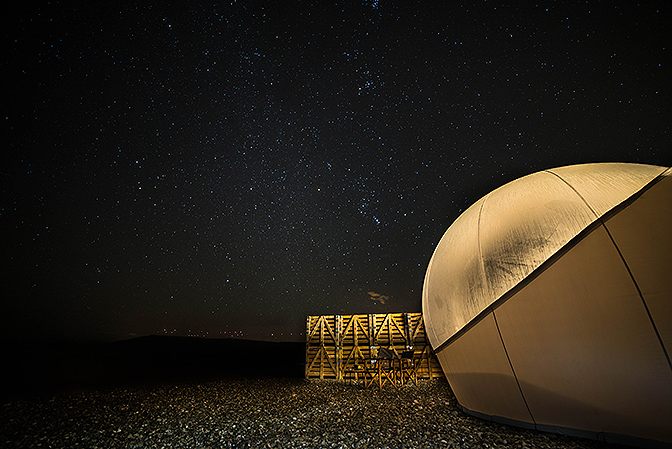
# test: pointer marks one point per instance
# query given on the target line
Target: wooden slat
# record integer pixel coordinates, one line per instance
(335, 343)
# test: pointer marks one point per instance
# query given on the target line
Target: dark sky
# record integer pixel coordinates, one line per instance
(227, 169)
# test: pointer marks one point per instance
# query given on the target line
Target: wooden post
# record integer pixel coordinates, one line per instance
(407, 328)
(372, 336)
(307, 368)
(338, 345)
(322, 347)
(388, 318)
(354, 331)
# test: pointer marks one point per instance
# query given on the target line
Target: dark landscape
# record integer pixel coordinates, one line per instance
(40, 368)
(200, 393)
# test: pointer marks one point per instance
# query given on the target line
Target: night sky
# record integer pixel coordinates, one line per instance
(224, 170)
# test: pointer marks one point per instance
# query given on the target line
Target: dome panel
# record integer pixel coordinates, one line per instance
(605, 186)
(465, 279)
(523, 224)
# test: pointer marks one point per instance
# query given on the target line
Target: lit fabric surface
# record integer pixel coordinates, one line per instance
(507, 234)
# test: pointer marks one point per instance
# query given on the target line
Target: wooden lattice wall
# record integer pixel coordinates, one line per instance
(337, 342)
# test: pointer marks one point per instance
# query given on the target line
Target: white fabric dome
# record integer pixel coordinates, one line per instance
(548, 303)
(507, 234)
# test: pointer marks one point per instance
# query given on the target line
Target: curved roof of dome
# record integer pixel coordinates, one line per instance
(507, 234)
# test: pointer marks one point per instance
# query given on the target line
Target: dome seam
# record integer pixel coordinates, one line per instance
(480, 250)
(575, 191)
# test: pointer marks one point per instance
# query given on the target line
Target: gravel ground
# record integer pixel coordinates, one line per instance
(262, 413)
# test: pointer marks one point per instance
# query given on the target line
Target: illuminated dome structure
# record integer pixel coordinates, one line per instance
(549, 303)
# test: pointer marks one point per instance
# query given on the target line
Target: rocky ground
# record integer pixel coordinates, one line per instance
(262, 413)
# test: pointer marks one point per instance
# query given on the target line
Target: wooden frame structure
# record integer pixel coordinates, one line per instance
(336, 344)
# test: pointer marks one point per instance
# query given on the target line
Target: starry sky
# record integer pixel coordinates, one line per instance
(225, 169)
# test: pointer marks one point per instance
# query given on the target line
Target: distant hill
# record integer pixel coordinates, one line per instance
(47, 368)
